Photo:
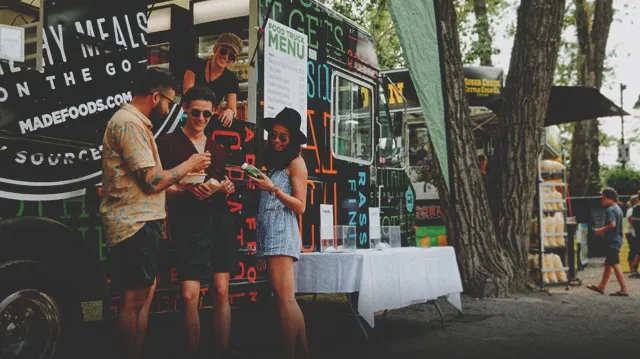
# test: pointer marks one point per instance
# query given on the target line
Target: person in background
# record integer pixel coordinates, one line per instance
(201, 223)
(214, 74)
(133, 199)
(612, 232)
(482, 163)
(283, 197)
(630, 234)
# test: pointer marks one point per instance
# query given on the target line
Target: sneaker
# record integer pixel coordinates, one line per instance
(634, 275)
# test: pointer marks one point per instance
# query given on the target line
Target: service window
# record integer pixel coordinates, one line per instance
(352, 116)
(390, 145)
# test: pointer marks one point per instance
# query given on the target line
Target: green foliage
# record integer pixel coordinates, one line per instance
(375, 17)
(470, 27)
(606, 140)
(625, 180)
(569, 57)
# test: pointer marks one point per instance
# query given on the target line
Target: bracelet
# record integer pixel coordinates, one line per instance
(273, 189)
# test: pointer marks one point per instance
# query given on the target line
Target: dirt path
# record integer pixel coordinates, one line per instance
(577, 323)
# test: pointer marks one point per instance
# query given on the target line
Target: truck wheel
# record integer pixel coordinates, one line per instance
(36, 317)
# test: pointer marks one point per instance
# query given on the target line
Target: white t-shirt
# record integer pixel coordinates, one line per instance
(628, 226)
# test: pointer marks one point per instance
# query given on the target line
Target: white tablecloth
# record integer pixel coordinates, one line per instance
(387, 279)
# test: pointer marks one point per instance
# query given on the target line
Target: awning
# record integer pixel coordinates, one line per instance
(571, 104)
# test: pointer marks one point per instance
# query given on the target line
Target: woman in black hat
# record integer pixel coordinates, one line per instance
(283, 197)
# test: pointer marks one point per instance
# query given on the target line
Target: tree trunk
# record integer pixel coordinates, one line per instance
(484, 270)
(528, 85)
(485, 41)
(584, 179)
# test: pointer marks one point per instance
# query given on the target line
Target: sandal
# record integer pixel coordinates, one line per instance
(619, 294)
(595, 288)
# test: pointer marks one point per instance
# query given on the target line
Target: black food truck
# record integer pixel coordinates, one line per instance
(54, 268)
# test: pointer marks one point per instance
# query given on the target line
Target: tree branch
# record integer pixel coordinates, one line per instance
(603, 17)
(582, 26)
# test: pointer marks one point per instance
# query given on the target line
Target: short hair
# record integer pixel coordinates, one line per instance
(482, 158)
(199, 93)
(154, 79)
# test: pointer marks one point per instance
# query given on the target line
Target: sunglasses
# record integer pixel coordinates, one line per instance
(226, 51)
(196, 113)
(281, 136)
(171, 102)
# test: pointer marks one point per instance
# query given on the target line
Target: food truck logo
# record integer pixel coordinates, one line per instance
(52, 122)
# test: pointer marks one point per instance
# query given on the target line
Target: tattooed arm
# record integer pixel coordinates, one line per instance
(154, 180)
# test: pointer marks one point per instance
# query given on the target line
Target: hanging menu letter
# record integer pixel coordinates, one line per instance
(285, 71)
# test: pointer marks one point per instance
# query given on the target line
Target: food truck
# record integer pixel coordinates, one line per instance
(81, 60)
(483, 84)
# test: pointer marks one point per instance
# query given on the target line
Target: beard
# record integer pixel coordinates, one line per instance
(156, 116)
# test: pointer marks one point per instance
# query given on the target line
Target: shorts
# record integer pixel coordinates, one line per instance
(206, 244)
(136, 258)
(633, 246)
(612, 256)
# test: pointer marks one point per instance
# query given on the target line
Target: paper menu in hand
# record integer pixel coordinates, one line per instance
(326, 221)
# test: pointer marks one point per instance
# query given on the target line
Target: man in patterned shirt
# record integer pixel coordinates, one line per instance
(133, 202)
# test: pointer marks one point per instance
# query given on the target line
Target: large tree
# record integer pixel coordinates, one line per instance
(482, 261)
(492, 240)
(529, 81)
(584, 179)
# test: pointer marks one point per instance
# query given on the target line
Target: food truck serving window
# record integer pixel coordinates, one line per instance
(352, 116)
(391, 142)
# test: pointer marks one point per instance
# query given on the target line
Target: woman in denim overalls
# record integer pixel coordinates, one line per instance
(283, 198)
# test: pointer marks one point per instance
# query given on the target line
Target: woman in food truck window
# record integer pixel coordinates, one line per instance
(283, 197)
(214, 74)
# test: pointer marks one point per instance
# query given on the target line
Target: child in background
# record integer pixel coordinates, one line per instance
(612, 233)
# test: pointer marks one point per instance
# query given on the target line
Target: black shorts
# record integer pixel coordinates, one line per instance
(612, 256)
(136, 258)
(206, 244)
(633, 246)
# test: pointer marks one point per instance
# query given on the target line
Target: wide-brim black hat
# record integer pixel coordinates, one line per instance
(291, 120)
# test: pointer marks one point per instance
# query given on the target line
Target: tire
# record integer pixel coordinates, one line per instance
(37, 317)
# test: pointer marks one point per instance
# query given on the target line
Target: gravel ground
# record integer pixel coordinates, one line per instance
(563, 324)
